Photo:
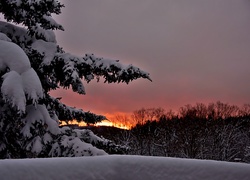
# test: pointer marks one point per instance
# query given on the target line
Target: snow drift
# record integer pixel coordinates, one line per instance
(118, 167)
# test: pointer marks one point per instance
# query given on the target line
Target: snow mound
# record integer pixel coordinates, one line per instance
(32, 85)
(4, 37)
(13, 57)
(12, 90)
(120, 167)
(48, 49)
(21, 78)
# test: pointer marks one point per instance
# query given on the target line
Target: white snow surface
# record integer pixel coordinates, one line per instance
(122, 167)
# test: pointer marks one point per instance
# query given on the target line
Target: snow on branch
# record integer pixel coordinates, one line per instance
(39, 114)
(32, 64)
(4, 37)
(68, 70)
(17, 34)
(22, 37)
(32, 12)
(67, 113)
(75, 68)
(113, 71)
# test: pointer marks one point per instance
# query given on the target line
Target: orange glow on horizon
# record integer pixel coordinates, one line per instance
(120, 119)
(112, 120)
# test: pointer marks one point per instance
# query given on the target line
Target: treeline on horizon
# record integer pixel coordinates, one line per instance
(217, 131)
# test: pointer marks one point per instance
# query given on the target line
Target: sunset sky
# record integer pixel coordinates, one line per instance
(194, 50)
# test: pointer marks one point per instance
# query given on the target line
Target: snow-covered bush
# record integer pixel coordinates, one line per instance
(32, 64)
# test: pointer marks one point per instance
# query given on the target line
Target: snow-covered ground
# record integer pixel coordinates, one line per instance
(118, 167)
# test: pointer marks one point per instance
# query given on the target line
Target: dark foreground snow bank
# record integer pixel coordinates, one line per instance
(121, 168)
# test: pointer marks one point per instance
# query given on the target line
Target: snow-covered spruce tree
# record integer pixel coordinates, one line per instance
(32, 64)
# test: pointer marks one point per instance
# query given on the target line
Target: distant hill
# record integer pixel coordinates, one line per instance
(107, 132)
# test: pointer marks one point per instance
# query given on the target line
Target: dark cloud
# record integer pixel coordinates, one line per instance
(195, 50)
